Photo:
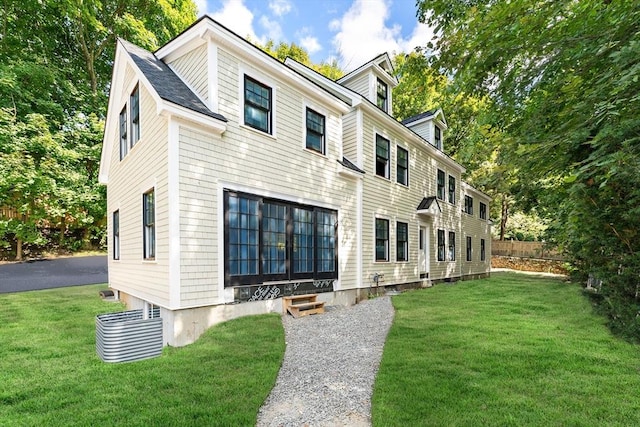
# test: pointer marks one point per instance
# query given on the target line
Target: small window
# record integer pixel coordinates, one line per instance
(116, 235)
(149, 225)
(315, 131)
(382, 95)
(440, 192)
(468, 204)
(402, 169)
(468, 248)
(452, 246)
(483, 211)
(402, 241)
(483, 255)
(438, 138)
(452, 190)
(440, 245)
(124, 147)
(257, 105)
(382, 157)
(382, 239)
(134, 102)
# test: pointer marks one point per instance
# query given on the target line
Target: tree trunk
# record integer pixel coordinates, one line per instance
(19, 250)
(505, 215)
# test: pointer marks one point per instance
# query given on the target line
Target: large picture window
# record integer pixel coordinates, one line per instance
(382, 239)
(440, 245)
(402, 241)
(402, 171)
(257, 105)
(269, 240)
(149, 225)
(382, 157)
(315, 131)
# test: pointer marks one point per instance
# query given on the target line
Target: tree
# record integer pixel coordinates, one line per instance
(565, 77)
(283, 51)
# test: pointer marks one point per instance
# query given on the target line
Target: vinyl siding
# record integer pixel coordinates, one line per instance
(424, 130)
(360, 85)
(144, 167)
(192, 68)
(349, 137)
(252, 161)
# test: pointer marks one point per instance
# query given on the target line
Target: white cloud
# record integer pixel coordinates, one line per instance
(280, 7)
(310, 44)
(362, 34)
(201, 7)
(238, 18)
(272, 28)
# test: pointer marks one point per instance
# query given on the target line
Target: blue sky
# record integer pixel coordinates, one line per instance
(351, 31)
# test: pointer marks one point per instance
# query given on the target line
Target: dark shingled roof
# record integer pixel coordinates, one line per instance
(165, 82)
(348, 164)
(418, 117)
(427, 202)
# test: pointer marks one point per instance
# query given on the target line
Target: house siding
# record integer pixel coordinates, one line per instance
(192, 68)
(143, 168)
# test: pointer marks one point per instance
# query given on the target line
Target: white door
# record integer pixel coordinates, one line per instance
(424, 246)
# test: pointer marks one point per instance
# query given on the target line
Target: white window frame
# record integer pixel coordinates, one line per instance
(264, 80)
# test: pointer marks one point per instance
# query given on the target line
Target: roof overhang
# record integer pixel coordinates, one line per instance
(429, 206)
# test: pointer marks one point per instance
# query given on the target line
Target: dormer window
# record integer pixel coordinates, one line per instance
(437, 138)
(382, 92)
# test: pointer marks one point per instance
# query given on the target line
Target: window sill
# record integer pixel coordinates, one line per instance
(258, 131)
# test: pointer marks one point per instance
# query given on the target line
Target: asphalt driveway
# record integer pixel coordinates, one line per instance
(53, 273)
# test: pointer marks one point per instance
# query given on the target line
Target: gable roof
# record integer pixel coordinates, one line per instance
(165, 82)
(425, 115)
(381, 63)
(427, 202)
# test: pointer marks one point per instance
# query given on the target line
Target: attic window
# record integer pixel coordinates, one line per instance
(382, 95)
(437, 139)
(134, 102)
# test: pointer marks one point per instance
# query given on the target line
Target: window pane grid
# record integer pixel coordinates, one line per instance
(382, 157)
(274, 239)
(257, 105)
(135, 116)
(303, 240)
(440, 182)
(440, 245)
(315, 131)
(402, 240)
(243, 236)
(452, 246)
(326, 222)
(148, 219)
(452, 189)
(403, 166)
(382, 240)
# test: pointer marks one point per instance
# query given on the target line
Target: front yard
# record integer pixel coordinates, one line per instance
(511, 350)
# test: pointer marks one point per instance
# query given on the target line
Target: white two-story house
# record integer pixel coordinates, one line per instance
(234, 179)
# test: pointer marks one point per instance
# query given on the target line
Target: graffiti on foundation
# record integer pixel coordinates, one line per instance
(265, 293)
(323, 283)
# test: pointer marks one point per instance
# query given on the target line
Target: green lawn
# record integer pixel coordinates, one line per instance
(511, 350)
(50, 374)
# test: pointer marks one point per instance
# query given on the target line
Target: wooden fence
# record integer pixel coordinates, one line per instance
(8, 213)
(515, 248)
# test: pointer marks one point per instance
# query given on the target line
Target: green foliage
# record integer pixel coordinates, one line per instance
(55, 67)
(283, 51)
(510, 350)
(565, 78)
(51, 375)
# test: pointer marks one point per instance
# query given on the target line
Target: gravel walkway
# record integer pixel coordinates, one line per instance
(329, 367)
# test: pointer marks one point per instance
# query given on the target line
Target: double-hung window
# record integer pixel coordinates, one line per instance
(124, 142)
(134, 102)
(382, 95)
(452, 246)
(483, 211)
(402, 168)
(382, 157)
(257, 105)
(440, 192)
(469, 249)
(468, 204)
(402, 241)
(116, 234)
(440, 245)
(382, 239)
(315, 131)
(268, 239)
(452, 190)
(483, 254)
(149, 225)
(437, 138)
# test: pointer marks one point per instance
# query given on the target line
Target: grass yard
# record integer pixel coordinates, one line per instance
(50, 374)
(510, 350)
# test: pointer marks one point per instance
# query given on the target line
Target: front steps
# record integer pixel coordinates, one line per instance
(302, 305)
